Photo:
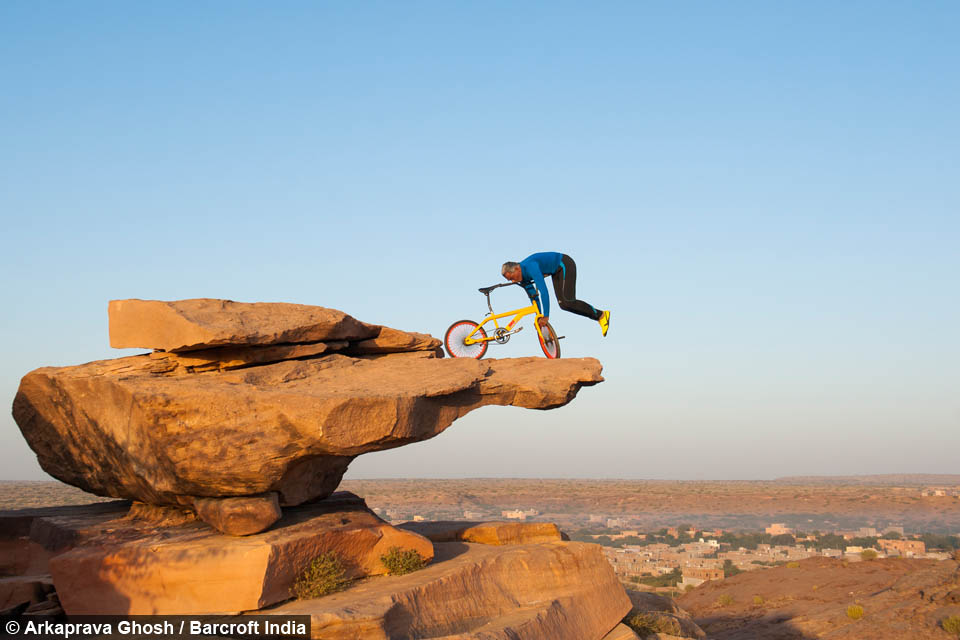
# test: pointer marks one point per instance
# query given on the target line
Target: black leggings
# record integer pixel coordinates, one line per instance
(565, 286)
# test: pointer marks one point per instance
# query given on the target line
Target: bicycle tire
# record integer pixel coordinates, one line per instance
(549, 342)
(457, 333)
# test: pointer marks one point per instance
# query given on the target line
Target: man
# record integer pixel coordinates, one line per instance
(564, 271)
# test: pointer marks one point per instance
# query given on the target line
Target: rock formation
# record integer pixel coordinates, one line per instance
(244, 418)
(547, 591)
(495, 533)
(139, 565)
(267, 402)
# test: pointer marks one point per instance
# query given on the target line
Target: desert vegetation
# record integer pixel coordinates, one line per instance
(402, 561)
(324, 576)
(951, 625)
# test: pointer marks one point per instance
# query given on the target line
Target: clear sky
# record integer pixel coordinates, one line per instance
(766, 194)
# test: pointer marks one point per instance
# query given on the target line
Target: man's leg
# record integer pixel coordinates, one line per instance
(565, 286)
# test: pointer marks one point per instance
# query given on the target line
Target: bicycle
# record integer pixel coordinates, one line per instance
(468, 339)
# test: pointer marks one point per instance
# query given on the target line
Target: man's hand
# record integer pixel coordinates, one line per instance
(542, 321)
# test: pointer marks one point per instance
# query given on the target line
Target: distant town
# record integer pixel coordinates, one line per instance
(684, 556)
(681, 556)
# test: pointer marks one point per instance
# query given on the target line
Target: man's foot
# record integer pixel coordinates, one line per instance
(604, 321)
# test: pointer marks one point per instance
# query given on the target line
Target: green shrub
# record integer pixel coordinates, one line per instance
(793, 565)
(757, 600)
(725, 600)
(402, 561)
(951, 624)
(868, 554)
(854, 612)
(645, 624)
(324, 575)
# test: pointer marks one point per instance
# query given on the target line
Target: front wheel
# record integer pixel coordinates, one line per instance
(457, 333)
(549, 342)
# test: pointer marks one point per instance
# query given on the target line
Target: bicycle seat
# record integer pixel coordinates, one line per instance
(488, 289)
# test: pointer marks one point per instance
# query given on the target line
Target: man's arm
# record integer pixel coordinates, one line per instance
(544, 300)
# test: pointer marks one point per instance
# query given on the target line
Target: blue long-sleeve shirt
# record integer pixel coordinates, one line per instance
(532, 270)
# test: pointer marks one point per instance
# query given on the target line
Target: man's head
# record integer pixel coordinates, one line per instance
(511, 271)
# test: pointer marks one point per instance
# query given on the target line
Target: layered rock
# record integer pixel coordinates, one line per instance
(143, 565)
(496, 533)
(549, 591)
(118, 428)
(201, 323)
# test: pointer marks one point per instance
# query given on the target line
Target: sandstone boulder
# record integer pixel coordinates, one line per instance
(118, 428)
(663, 613)
(132, 566)
(496, 533)
(186, 325)
(549, 591)
(239, 516)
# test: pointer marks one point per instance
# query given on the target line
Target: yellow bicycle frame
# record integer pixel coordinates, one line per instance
(518, 314)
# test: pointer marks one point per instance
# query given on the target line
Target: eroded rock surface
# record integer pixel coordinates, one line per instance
(549, 591)
(119, 428)
(132, 565)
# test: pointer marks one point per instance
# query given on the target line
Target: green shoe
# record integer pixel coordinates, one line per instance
(604, 321)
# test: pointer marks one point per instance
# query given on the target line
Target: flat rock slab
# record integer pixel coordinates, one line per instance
(549, 591)
(16, 590)
(200, 323)
(27, 539)
(118, 428)
(496, 533)
(622, 632)
(130, 566)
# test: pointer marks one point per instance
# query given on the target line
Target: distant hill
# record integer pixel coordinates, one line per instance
(814, 598)
(888, 479)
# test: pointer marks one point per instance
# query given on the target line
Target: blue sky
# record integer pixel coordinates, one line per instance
(765, 194)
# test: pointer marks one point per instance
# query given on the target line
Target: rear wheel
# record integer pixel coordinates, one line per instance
(549, 342)
(457, 333)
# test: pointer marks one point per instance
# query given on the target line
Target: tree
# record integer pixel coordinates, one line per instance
(730, 569)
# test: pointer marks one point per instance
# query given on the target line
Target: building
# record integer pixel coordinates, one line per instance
(519, 514)
(904, 548)
(778, 529)
(695, 576)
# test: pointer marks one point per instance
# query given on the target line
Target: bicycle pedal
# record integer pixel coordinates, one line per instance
(561, 337)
